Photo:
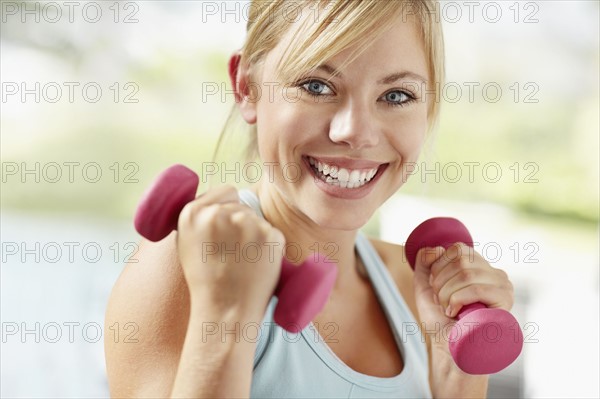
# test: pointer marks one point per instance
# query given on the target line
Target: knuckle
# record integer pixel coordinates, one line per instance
(467, 275)
(230, 192)
(222, 193)
(504, 280)
(207, 215)
(453, 251)
(186, 215)
(457, 265)
(467, 256)
(226, 189)
(464, 248)
(503, 275)
(459, 253)
(455, 246)
(243, 216)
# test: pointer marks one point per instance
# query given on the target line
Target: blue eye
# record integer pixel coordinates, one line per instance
(316, 87)
(397, 97)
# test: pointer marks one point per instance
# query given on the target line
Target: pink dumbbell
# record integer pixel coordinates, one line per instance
(483, 340)
(302, 291)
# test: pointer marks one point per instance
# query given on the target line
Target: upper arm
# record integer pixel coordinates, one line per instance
(153, 298)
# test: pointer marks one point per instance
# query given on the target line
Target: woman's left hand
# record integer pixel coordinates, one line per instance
(446, 280)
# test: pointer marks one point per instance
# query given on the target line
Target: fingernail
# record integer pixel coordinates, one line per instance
(449, 311)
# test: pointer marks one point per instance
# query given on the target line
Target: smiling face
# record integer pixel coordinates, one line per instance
(363, 126)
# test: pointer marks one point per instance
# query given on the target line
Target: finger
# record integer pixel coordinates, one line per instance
(244, 215)
(425, 258)
(462, 279)
(458, 252)
(226, 194)
(214, 215)
(490, 295)
(446, 272)
(221, 194)
(240, 214)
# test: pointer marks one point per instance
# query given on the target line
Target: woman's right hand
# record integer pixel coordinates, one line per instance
(231, 257)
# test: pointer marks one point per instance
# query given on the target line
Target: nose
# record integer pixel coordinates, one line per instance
(356, 125)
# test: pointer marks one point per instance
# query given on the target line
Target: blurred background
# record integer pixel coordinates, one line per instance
(99, 97)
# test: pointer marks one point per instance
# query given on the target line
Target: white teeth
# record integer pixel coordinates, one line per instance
(343, 177)
(333, 172)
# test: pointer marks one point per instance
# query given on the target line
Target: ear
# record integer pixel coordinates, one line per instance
(238, 75)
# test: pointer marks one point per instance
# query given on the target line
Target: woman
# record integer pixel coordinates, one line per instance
(345, 92)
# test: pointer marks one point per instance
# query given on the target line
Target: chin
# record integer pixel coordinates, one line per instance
(346, 222)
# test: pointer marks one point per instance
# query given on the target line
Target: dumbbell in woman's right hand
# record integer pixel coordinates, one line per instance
(218, 220)
(211, 236)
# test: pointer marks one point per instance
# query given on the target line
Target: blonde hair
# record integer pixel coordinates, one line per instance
(340, 25)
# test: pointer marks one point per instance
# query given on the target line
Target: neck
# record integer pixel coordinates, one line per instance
(304, 237)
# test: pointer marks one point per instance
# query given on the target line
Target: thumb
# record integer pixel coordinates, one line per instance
(425, 258)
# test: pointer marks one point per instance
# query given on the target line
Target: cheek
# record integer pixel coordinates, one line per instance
(408, 138)
(284, 125)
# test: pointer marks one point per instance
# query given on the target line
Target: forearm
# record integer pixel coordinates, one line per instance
(214, 365)
(448, 381)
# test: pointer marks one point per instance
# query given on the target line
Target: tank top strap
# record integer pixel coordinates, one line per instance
(404, 324)
(383, 283)
(249, 198)
(265, 330)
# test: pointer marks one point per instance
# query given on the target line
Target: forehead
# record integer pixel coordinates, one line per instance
(397, 48)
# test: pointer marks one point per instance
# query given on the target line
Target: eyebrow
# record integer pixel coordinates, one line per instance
(384, 81)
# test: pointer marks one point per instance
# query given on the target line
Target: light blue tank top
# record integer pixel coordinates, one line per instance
(288, 365)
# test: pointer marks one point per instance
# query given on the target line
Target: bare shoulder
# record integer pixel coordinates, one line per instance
(149, 308)
(393, 257)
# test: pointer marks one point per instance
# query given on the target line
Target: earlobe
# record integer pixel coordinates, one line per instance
(238, 76)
